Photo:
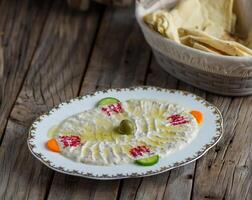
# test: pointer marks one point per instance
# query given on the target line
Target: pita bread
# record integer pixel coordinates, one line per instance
(202, 24)
(231, 48)
(220, 14)
(199, 46)
(188, 41)
(166, 23)
(184, 17)
(162, 22)
(214, 18)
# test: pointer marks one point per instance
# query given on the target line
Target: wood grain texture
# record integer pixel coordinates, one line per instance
(84, 4)
(1, 63)
(55, 75)
(21, 23)
(79, 4)
(225, 172)
(70, 187)
(119, 59)
(120, 55)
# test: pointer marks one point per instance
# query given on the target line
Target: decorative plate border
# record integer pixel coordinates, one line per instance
(204, 149)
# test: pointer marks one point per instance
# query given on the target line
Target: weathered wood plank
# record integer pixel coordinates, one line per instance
(70, 187)
(1, 62)
(180, 182)
(225, 172)
(55, 75)
(121, 55)
(1, 66)
(120, 58)
(21, 23)
(160, 78)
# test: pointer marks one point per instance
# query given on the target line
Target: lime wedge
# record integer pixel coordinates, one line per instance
(107, 101)
(148, 161)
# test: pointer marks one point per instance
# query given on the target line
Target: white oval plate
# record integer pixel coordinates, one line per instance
(210, 133)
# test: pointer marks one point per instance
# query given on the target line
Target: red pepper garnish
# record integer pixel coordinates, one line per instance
(177, 119)
(70, 141)
(113, 108)
(139, 151)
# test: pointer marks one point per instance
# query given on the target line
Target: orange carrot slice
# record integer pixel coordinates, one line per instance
(198, 116)
(52, 144)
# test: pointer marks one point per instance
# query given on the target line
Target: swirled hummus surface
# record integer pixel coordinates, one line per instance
(92, 136)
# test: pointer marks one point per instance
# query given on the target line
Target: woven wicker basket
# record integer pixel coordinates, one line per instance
(226, 75)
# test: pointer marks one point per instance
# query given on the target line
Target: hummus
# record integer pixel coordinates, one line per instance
(92, 136)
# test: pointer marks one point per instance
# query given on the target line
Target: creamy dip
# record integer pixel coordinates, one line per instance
(92, 136)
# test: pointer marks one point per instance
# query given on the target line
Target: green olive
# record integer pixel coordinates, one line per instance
(127, 127)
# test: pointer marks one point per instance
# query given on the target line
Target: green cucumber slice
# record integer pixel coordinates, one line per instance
(107, 101)
(148, 161)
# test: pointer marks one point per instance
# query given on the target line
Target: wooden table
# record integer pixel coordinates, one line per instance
(50, 54)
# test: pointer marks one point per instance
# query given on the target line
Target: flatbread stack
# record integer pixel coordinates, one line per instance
(205, 25)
